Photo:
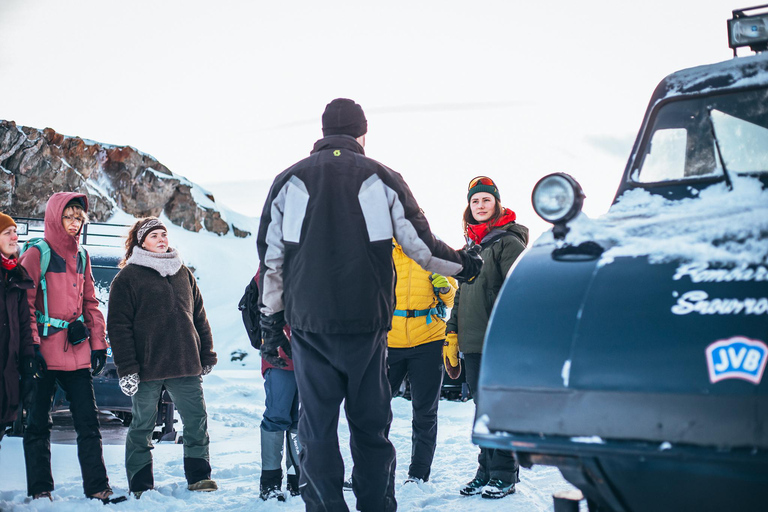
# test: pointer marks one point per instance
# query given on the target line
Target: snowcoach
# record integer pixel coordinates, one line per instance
(629, 351)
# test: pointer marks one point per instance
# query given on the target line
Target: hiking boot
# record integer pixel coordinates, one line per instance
(292, 485)
(413, 480)
(44, 494)
(104, 497)
(473, 487)
(271, 492)
(497, 489)
(206, 485)
(347, 485)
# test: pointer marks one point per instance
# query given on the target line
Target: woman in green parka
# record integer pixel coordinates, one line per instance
(491, 226)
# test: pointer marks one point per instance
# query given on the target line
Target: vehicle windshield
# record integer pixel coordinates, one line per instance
(706, 137)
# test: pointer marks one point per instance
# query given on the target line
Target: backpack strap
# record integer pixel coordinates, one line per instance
(45, 260)
(412, 313)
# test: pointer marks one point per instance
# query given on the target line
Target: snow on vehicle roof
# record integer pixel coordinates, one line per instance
(720, 225)
(735, 73)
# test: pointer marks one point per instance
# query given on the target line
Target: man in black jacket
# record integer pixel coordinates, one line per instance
(325, 250)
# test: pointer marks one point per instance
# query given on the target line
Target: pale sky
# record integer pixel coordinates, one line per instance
(233, 91)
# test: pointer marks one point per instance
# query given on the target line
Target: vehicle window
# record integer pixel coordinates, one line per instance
(743, 144)
(666, 160)
(696, 138)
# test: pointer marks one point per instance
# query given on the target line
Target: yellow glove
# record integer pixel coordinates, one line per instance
(439, 281)
(451, 355)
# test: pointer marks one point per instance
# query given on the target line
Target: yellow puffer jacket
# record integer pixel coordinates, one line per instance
(414, 291)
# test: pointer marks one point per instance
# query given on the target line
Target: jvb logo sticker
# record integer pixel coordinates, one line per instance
(736, 358)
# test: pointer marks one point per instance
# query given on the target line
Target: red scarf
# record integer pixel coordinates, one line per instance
(478, 231)
(9, 264)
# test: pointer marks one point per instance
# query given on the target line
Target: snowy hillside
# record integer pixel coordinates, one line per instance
(235, 399)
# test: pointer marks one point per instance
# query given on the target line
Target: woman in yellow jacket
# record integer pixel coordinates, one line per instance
(416, 350)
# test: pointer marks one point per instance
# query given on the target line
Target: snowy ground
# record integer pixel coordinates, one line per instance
(235, 401)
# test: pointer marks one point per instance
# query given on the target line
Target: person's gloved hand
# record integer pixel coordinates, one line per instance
(98, 361)
(440, 283)
(40, 366)
(272, 338)
(451, 355)
(208, 368)
(129, 384)
(471, 263)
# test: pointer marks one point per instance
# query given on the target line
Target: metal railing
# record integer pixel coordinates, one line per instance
(94, 234)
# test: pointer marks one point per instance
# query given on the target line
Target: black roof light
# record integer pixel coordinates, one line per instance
(748, 29)
(557, 198)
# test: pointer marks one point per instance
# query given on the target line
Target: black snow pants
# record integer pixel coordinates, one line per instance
(491, 462)
(78, 386)
(423, 364)
(329, 369)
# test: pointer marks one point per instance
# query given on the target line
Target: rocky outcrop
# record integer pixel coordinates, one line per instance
(34, 164)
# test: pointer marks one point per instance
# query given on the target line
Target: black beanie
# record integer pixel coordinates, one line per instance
(344, 117)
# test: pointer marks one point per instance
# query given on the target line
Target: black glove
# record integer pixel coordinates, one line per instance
(272, 338)
(36, 365)
(98, 361)
(471, 263)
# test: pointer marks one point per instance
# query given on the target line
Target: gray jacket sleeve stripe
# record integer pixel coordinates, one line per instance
(376, 202)
(385, 216)
(272, 285)
(296, 200)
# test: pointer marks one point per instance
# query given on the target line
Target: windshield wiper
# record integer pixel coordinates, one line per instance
(717, 147)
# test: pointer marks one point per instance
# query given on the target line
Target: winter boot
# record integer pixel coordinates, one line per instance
(270, 493)
(206, 485)
(293, 485)
(271, 483)
(473, 487)
(198, 473)
(413, 480)
(497, 489)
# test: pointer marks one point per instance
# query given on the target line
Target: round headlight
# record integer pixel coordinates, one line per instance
(557, 198)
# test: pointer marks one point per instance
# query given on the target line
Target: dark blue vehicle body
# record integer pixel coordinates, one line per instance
(618, 372)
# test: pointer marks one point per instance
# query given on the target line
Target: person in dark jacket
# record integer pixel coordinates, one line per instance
(160, 337)
(279, 424)
(325, 250)
(71, 338)
(493, 228)
(16, 342)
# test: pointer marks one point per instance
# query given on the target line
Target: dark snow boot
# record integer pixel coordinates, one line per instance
(473, 487)
(196, 470)
(496, 489)
(293, 485)
(270, 485)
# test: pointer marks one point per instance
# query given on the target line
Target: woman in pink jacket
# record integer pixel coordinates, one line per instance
(69, 343)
